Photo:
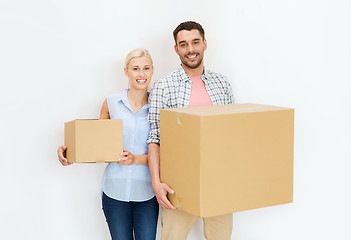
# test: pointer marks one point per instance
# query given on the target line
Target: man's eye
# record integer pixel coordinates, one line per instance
(135, 69)
(196, 42)
(183, 45)
(147, 68)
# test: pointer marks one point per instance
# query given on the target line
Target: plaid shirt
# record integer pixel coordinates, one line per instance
(174, 91)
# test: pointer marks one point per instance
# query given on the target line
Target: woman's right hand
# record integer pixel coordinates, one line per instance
(61, 151)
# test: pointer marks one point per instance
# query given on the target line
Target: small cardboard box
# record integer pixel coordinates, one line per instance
(228, 158)
(92, 140)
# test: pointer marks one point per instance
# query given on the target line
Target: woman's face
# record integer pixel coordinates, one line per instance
(139, 72)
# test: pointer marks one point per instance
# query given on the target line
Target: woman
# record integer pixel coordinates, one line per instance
(128, 200)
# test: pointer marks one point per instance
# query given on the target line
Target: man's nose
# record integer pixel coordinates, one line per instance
(190, 48)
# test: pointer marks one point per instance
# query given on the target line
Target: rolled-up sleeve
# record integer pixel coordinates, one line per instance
(156, 103)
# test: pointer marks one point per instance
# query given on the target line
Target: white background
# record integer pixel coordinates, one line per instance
(59, 59)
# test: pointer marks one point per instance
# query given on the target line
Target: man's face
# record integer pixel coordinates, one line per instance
(190, 47)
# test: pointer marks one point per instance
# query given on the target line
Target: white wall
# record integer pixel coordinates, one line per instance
(60, 59)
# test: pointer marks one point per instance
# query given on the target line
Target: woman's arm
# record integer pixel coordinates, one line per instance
(61, 150)
(127, 158)
(61, 153)
(104, 113)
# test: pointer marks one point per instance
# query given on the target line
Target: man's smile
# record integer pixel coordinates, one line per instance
(191, 56)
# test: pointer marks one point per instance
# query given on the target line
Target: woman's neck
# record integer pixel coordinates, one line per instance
(137, 98)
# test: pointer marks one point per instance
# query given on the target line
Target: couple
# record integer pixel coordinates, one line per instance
(132, 187)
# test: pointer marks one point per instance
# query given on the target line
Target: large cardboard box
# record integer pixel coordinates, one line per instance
(229, 158)
(92, 140)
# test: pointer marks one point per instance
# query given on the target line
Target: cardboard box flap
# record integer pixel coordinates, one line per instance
(226, 109)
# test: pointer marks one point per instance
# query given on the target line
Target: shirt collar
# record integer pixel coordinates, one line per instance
(185, 77)
(124, 99)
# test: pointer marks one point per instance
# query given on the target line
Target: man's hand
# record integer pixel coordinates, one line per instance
(161, 190)
(61, 151)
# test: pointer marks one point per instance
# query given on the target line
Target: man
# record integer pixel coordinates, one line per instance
(190, 85)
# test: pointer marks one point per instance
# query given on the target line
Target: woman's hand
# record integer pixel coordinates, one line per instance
(61, 151)
(126, 159)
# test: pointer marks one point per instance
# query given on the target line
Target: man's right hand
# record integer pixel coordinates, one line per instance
(161, 190)
(61, 155)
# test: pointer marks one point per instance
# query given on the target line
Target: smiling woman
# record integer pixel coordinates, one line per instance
(129, 203)
(139, 69)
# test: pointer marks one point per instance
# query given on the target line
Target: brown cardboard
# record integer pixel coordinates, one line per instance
(229, 158)
(92, 140)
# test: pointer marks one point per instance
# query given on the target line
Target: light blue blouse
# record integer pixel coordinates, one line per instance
(129, 182)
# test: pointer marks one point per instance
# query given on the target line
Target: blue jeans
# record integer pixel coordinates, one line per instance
(124, 217)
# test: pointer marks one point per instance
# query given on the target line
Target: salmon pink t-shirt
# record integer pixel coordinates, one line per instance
(198, 95)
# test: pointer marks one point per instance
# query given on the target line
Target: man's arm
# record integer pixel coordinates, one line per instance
(160, 189)
(230, 96)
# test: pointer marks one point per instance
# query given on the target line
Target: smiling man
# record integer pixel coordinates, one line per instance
(190, 48)
(190, 85)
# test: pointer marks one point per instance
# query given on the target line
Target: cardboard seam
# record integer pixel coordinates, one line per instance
(201, 167)
(75, 140)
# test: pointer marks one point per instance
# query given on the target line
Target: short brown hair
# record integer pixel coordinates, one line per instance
(189, 25)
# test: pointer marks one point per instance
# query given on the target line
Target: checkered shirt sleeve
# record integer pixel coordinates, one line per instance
(157, 102)
(218, 88)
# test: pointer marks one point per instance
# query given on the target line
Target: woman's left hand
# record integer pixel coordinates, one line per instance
(127, 158)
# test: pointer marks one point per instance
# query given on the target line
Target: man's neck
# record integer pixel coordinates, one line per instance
(194, 72)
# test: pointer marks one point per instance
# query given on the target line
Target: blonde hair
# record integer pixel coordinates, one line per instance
(138, 52)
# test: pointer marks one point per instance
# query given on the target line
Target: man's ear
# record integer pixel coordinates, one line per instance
(176, 49)
(205, 45)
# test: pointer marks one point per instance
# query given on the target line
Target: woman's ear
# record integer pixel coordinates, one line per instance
(126, 72)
